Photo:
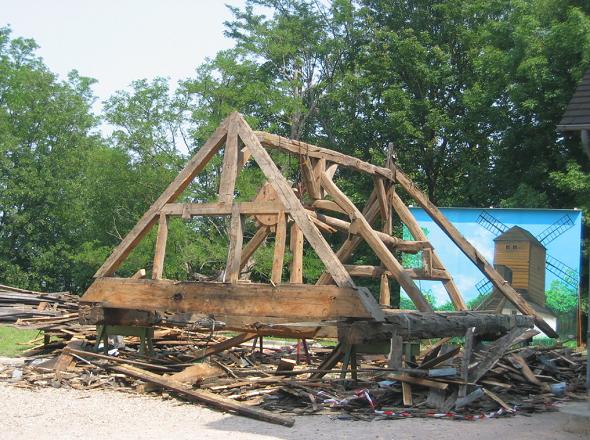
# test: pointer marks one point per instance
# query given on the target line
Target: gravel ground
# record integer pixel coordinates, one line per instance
(50, 413)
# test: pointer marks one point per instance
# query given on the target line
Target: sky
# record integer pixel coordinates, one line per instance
(118, 41)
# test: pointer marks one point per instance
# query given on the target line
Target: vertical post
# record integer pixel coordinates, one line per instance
(236, 239)
(297, 251)
(279, 251)
(158, 266)
(384, 294)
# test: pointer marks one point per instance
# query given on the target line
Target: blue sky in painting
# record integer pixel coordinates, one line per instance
(565, 248)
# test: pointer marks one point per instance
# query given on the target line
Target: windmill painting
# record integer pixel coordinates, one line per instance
(537, 251)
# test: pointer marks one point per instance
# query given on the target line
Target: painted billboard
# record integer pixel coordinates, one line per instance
(537, 250)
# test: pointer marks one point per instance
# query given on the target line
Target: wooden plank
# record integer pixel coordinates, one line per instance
(473, 254)
(236, 240)
(408, 219)
(254, 243)
(318, 168)
(243, 157)
(279, 250)
(65, 359)
(141, 273)
(225, 345)
(466, 361)
(375, 243)
(158, 265)
(440, 359)
(493, 352)
(294, 302)
(229, 170)
(294, 207)
(221, 209)
(296, 269)
(205, 397)
(188, 173)
(418, 381)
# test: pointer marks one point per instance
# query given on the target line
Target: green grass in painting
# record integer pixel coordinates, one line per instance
(13, 340)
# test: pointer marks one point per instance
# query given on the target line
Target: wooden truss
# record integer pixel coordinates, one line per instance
(279, 211)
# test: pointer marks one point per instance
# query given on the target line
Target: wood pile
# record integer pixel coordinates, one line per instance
(271, 382)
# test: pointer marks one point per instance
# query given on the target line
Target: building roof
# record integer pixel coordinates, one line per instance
(516, 233)
(577, 113)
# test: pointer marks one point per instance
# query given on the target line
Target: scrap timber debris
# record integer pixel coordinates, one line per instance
(272, 382)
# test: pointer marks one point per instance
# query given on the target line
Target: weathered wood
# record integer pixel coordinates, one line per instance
(206, 397)
(236, 239)
(293, 206)
(375, 243)
(395, 353)
(384, 294)
(279, 250)
(440, 359)
(473, 254)
(397, 243)
(466, 361)
(254, 243)
(382, 198)
(492, 353)
(405, 378)
(251, 300)
(408, 219)
(310, 180)
(158, 265)
(225, 345)
(222, 209)
(141, 273)
(296, 269)
(192, 168)
(418, 325)
(370, 211)
(229, 170)
(327, 205)
(243, 157)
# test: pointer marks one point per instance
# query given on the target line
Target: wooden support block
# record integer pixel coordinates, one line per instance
(310, 180)
(158, 265)
(141, 273)
(297, 258)
(279, 250)
(236, 238)
(395, 353)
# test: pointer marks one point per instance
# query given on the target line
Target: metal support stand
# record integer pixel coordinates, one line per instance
(145, 334)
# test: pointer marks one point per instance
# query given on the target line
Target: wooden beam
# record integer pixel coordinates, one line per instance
(205, 397)
(279, 250)
(382, 198)
(294, 207)
(296, 270)
(408, 219)
(384, 293)
(397, 243)
(302, 148)
(347, 248)
(224, 345)
(473, 254)
(254, 243)
(158, 266)
(253, 301)
(243, 157)
(221, 208)
(192, 168)
(328, 205)
(236, 240)
(375, 243)
(229, 170)
(311, 182)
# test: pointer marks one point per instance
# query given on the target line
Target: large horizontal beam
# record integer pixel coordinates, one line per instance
(376, 271)
(220, 208)
(297, 302)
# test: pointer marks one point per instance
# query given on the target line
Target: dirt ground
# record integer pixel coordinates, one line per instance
(59, 414)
